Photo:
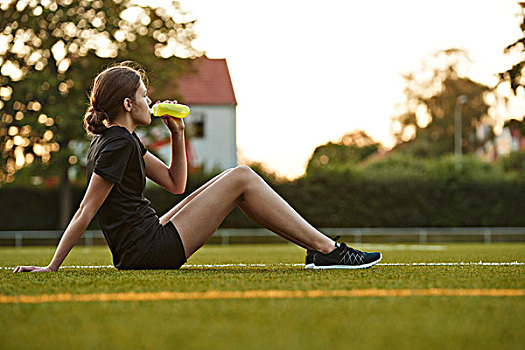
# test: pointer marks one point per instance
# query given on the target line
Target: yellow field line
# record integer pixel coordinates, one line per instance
(256, 294)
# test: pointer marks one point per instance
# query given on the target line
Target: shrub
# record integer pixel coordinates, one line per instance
(514, 162)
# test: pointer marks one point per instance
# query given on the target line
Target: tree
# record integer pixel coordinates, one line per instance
(49, 54)
(351, 149)
(426, 126)
(514, 75)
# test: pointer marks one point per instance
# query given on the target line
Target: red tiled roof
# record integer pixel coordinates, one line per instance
(210, 85)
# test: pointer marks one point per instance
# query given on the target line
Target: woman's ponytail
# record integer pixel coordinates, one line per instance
(94, 121)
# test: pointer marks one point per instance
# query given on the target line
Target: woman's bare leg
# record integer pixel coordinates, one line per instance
(200, 217)
(167, 217)
(266, 225)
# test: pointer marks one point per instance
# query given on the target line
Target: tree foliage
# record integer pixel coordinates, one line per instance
(351, 149)
(426, 126)
(51, 50)
(514, 75)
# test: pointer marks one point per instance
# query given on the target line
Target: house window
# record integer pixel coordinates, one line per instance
(196, 124)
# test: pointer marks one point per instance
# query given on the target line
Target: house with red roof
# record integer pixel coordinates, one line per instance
(211, 125)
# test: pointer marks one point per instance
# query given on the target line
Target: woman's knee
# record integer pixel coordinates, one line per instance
(245, 170)
(244, 174)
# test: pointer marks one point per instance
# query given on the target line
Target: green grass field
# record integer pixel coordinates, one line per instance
(437, 322)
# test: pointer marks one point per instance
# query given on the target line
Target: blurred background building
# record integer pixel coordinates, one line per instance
(510, 139)
(211, 125)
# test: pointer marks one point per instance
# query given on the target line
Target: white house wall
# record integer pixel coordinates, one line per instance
(218, 147)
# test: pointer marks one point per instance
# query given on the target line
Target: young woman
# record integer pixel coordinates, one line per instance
(118, 164)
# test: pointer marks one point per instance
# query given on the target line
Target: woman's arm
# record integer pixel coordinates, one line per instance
(96, 194)
(173, 178)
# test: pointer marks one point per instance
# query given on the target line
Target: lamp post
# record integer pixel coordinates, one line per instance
(458, 121)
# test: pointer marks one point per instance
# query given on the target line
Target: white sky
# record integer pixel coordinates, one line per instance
(306, 72)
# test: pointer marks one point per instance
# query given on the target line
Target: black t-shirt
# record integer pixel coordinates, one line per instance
(126, 217)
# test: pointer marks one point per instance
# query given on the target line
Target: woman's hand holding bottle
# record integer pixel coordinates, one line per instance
(173, 120)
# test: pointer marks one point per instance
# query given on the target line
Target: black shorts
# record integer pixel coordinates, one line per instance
(166, 252)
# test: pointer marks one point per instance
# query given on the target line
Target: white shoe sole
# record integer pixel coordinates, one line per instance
(309, 266)
(347, 267)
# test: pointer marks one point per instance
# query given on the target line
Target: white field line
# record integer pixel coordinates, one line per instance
(480, 263)
(402, 247)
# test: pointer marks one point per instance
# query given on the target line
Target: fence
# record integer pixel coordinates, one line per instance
(228, 236)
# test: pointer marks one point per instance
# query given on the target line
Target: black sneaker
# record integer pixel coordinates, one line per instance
(309, 260)
(344, 257)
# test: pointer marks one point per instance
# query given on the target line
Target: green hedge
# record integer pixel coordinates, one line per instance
(328, 200)
(408, 202)
(25, 208)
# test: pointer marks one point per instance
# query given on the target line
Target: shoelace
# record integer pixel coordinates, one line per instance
(354, 256)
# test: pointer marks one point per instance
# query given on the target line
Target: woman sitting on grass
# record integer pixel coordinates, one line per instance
(118, 164)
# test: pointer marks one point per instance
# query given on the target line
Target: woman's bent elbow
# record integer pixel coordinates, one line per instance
(178, 189)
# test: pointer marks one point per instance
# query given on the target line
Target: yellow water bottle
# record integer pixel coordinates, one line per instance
(172, 109)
